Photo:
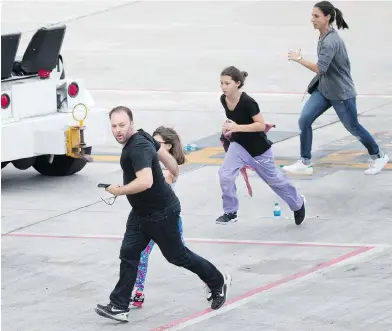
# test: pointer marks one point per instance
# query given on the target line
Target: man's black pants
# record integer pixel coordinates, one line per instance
(162, 227)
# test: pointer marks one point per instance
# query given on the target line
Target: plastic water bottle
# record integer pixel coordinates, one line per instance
(191, 147)
(277, 210)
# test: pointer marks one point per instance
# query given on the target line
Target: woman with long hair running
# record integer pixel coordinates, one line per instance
(249, 146)
(170, 140)
(332, 86)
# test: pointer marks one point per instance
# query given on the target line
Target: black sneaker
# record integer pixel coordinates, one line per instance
(110, 311)
(299, 215)
(227, 218)
(219, 295)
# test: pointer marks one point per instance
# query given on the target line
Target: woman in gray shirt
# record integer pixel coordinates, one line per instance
(335, 88)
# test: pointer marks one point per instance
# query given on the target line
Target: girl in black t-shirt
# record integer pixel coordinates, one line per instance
(250, 146)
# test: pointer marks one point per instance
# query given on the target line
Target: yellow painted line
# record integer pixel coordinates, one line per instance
(341, 156)
(191, 159)
(344, 159)
(206, 157)
(203, 156)
(212, 161)
(106, 158)
(354, 165)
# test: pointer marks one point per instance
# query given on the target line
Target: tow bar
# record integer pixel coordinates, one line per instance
(75, 144)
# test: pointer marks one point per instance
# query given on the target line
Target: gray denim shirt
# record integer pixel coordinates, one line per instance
(334, 65)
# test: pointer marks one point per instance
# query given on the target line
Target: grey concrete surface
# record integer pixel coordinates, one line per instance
(128, 52)
(60, 242)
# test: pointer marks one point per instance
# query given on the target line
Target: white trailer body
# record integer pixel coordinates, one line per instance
(39, 105)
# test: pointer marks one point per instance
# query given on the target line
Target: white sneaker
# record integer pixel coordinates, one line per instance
(298, 168)
(375, 166)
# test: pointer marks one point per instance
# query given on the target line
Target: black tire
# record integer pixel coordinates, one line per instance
(24, 164)
(62, 165)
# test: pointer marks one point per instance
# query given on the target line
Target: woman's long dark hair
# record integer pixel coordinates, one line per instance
(328, 9)
(170, 136)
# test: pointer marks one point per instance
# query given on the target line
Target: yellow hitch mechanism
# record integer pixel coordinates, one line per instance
(76, 147)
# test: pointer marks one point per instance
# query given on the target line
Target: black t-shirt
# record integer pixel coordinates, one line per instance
(256, 143)
(138, 153)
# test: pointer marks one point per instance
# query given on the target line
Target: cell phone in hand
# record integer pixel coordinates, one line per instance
(100, 185)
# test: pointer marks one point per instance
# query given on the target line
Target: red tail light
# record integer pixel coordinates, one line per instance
(5, 101)
(73, 90)
(44, 73)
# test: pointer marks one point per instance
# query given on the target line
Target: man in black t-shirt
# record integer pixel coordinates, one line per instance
(155, 213)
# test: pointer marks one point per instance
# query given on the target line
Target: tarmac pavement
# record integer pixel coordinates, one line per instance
(60, 241)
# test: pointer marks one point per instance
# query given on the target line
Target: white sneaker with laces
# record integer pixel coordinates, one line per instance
(299, 168)
(375, 166)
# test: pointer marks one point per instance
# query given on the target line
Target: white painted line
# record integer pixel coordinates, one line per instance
(290, 281)
(283, 286)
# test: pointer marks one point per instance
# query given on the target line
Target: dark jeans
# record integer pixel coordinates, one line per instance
(162, 227)
(347, 113)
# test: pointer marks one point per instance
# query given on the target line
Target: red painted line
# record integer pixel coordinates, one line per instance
(281, 244)
(195, 240)
(269, 286)
(358, 250)
(60, 236)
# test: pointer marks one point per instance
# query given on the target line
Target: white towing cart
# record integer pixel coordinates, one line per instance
(47, 119)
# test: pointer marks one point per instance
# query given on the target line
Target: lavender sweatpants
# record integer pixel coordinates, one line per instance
(264, 165)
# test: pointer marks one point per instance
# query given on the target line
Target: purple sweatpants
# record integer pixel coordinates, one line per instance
(264, 165)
